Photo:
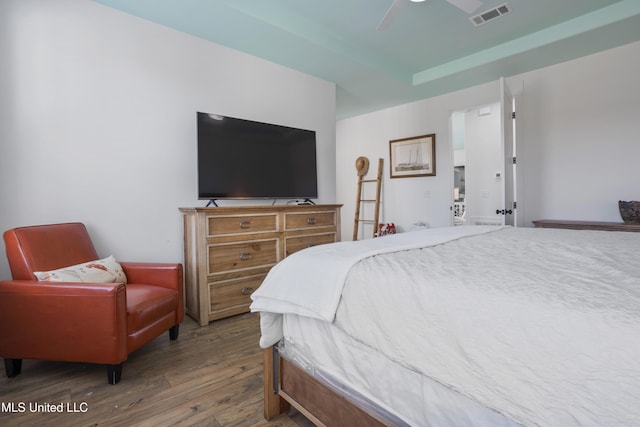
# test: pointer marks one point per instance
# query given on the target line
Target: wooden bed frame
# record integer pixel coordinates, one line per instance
(285, 385)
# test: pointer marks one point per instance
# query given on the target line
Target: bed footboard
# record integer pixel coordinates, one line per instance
(285, 385)
(274, 404)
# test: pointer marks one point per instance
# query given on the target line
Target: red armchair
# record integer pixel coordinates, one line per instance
(81, 322)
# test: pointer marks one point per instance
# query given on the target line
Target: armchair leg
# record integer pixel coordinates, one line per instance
(12, 367)
(114, 372)
(173, 332)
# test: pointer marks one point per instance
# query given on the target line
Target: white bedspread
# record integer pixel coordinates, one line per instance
(309, 283)
(541, 325)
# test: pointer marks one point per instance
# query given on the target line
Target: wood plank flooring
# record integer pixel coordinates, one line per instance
(210, 376)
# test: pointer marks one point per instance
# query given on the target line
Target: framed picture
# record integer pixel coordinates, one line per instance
(414, 156)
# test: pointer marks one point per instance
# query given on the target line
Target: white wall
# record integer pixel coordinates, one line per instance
(578, 144)
(97, 121)
(404, 200)
(581, 141)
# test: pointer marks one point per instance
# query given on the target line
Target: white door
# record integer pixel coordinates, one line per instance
(507, 115)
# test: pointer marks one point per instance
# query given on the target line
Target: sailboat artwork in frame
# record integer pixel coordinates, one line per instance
(414, 156)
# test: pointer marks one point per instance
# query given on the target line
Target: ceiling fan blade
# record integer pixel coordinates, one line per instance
(469, 6)
(390, 16)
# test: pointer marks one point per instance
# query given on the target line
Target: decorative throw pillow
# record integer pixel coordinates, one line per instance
(106, 270)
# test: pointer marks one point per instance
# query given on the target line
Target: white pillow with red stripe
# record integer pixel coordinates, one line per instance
(106, 270)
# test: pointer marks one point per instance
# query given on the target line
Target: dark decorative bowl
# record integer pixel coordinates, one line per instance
(630, 211)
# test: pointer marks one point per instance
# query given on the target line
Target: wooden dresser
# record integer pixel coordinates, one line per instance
(586, 225)
(229, 250)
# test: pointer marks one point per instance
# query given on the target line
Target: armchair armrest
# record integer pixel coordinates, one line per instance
(76, 322)
(167, 275)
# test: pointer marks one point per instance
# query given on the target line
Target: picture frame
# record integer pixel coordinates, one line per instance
(413, 157)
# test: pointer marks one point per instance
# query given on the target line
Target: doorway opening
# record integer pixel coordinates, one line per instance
(478, 183)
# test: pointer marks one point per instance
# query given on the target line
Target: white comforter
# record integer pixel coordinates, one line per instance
(541, 325)
(309, 283)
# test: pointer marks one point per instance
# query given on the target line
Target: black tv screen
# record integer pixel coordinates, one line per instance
(244, 159)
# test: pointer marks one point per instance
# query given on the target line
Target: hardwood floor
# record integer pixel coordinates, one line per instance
(210, 376)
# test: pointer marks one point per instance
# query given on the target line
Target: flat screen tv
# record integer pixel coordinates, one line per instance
(244, 159)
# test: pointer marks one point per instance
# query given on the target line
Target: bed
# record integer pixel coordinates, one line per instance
(457, 326)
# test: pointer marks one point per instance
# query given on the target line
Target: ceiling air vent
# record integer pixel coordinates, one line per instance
(491, 14)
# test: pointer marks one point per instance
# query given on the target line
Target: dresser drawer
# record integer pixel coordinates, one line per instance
(241, 224)
(294, 244)
(304, 220)
(228, 251)
(233, 293)
(227, 257)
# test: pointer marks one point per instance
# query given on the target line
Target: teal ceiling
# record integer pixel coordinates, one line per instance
(429, 49)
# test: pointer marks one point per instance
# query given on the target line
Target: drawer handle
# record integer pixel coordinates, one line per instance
(245, 256)
(311, 220)
(245, 224)
(247, 291)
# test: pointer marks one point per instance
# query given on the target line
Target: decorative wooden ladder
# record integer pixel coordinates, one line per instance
(362, 166)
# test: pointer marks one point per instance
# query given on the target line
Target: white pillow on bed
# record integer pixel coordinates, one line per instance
(106, 270)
